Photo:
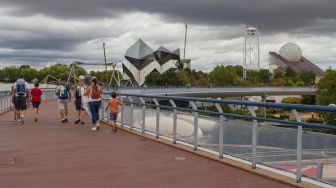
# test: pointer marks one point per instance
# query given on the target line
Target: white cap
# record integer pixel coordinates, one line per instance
(81, 77)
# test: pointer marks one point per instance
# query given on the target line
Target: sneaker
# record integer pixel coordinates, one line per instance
(36, 119)
(82, 122)
(65, 119)
(77, 121)
(18, 121)
(95, 128)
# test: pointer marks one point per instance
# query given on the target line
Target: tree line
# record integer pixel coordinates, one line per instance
(231, 76)
(49, 74)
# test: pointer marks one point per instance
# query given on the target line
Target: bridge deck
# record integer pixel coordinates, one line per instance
(49, 154)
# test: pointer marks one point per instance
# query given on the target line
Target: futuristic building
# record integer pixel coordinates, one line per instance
(141, 60)
(290, 55)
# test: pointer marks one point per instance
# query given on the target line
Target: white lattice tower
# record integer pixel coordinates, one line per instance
(251, 51)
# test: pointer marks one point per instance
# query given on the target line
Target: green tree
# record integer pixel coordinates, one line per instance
(279, 72)
(326, 94)
(290, 72)
(264, 76)
(222, 76)
(308, 78)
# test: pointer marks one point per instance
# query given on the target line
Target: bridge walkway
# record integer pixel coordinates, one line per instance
(51, 154)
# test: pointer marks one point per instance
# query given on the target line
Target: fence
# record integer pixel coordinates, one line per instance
(242, 136)
(6, 103)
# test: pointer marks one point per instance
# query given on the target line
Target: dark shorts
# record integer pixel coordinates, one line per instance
(78, 104)
(20, 103)
(36, 104)
(113, 116)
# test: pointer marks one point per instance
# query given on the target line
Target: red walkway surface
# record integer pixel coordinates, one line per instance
(49, 154)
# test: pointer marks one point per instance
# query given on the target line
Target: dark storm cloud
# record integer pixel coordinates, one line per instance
(273, 15)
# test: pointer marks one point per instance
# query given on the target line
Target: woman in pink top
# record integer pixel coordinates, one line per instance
(35, 94)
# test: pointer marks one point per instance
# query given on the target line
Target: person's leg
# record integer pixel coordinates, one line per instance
(97, 108)
(81, 116)
(17, 108)
(92, 111)
(23, 107)
(61, 109)
(66, 109)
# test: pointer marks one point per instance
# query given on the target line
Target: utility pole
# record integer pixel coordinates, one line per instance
(106, 75)
(185, 41)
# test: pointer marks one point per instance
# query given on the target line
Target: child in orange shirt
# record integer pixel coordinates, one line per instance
(114, 104)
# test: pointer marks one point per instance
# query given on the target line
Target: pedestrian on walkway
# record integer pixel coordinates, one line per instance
(114, 104)
(36, 94)
(21, 93)
(64, 97)
(93, 92)
(80, 99)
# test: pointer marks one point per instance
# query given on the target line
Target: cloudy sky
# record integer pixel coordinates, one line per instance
(42, 32)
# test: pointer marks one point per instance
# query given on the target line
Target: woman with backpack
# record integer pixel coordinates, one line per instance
(93, 92)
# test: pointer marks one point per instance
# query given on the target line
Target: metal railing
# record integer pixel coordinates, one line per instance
(213, 89)
(6, 101)
(146, 102)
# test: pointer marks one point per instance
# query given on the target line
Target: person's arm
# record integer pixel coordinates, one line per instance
(14, 89)
(69, 93)
(108, 105)
(27, 91)
(87, 91)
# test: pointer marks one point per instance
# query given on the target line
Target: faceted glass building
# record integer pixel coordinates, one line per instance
(141, 60)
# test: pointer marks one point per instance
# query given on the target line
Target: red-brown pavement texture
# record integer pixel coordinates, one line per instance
(49, 154)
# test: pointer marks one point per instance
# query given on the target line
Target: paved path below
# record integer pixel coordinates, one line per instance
(51, 154)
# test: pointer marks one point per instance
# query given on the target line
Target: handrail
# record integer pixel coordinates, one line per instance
(298, 124)
(237, 102)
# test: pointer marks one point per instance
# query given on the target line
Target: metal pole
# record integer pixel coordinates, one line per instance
(122, 115)
(221, 132)
(143, 114)
(103, 110)
(105, 63)
(131, 115)
(185, 41)
(174, 120)
(299, 147)
(319, 174)
(157, 128)
(194, 107)
(254, 137)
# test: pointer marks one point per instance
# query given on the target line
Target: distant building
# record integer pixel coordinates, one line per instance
(141, 60)
(290, 55)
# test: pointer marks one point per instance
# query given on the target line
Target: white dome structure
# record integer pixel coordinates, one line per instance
(291, 52)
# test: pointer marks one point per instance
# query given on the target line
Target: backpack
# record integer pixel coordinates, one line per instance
(95, 92)
(20, 89)
(63, 93)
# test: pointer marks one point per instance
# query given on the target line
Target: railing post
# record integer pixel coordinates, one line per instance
(143, 103)
(299, 147)
(319, 174)
(2, 106)
(194, 107)
(174, 120)
(122, 114)
(103, 110)
(254, 137)
(157, 128)
(132, 109)
(221, 132)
